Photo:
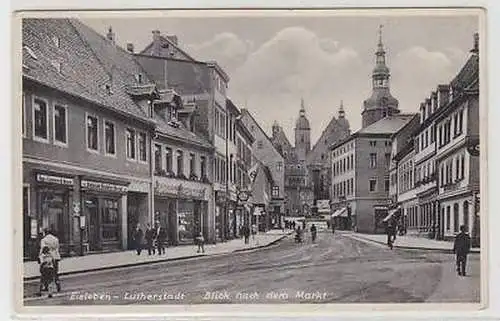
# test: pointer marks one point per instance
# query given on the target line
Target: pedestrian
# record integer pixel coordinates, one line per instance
(47, 271)
(161, 237)
(461, 248)
(254, 231)
(137, 236)
(150, 237)
(390, 233)
(313, 233)
(200, 240)
(333, 227)
(51, 241)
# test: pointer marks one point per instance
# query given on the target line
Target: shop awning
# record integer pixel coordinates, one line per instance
(340, 213)
(391, 214)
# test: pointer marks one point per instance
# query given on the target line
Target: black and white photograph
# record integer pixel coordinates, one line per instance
(255, 158)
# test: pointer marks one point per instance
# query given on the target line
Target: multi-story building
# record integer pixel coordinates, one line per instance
(204, 83)
(360, 175)
(86, 138)
(457, 157)
(266, 153)
(183, 194)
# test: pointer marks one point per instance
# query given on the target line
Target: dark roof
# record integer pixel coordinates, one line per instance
(467, 75)
(232, 107)
(164, 40)
(88, 63)
(245, 111)
(240, 126)
(388, 125)
(180, 133)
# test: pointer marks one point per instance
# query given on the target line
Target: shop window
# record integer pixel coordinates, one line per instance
(60, 125)
(130, 136)
(109, 137)
(143, 155)
(92, 133)
(40, 119)
(110, 221)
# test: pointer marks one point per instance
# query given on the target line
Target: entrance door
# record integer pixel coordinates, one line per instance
(92, 207)
(132, 219)
(53, 215)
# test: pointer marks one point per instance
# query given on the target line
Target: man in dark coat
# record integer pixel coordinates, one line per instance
(137, 238)
(150, 238)
(246, 233)
(391, 231)
(161, 237)
(461, 248)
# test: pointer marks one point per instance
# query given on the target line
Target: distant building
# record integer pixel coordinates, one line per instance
(267, 154)
(360, 175)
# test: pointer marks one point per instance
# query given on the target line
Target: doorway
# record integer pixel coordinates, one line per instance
(92, 209)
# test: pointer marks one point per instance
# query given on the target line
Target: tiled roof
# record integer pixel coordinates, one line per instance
(468, 73)
(335, 131)
(387, 125)
(88, 63)
(180, 132)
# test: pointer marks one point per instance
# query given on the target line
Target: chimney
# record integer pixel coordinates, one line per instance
(475, 48)
(422, 112)
(442, 95)
(428, 108)
(110, 35)
(434, 102)
(130, 47)
(173, 39)
(156, 42)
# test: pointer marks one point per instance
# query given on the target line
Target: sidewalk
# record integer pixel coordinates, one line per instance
(97, 262)
(410, 242)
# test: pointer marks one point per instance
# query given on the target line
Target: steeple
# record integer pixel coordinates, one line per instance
(302, 133)
(302, 111)
(381, 103)
(341, 109)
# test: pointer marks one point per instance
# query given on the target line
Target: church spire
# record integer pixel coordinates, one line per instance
(302, 111)
(341, 109)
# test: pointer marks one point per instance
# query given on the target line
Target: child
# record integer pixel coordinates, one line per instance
(201, 243)
(47, 271)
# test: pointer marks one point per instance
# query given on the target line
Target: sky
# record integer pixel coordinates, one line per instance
(274, 61)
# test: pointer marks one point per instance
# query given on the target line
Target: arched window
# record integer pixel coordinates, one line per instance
(466, 214)
(456, 218)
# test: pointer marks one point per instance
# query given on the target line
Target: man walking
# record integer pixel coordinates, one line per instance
(161, 237)
(52, 243)
(390, 233)
(137, 238)
(150, 237)
(461, 248)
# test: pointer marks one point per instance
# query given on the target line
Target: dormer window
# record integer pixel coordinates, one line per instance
(138, 78)
(108, 89)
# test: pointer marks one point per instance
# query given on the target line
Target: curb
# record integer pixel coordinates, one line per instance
(106, 268)
(441, 250)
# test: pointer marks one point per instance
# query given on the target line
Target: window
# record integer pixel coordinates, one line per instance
(130, 136)
(456, 222)
(422, 142)
(426, 138)
(56, 41)
(280, 166)
(373, 143)
(143, 156)
(462, 167)
(192, 164)
(180, 163)
(276, 191)
(168, 160)
(40, 119)
(92, 133)
(158, 158)
(260, 144)
(203, 167)
(460, 122)
(373, 185)
(387, 184)
(373, 160)
(433, 134)
(217, 169)
(457, 168)
(448, 217)
(352, 161)
(60, 125)
(110, 221)
(109, 138)
(387, 159)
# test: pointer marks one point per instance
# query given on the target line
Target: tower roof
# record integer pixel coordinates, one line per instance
(302, 121)
(380, 67)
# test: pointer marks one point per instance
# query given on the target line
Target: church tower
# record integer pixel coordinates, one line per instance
(302, 134)
(381, 103)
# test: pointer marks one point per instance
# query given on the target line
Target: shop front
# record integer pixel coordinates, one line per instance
(182, 208)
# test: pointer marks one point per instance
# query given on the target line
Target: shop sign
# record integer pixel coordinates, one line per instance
(179, 190)
(76, 208)
(54, 179)
(103, 187)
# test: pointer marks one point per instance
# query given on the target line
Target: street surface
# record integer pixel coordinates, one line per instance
(337, 269)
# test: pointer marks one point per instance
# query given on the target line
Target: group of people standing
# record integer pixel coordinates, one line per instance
(155, 237)
(49, 258)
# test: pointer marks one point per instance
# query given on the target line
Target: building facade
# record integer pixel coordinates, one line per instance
(457, 155)
(86, 140)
